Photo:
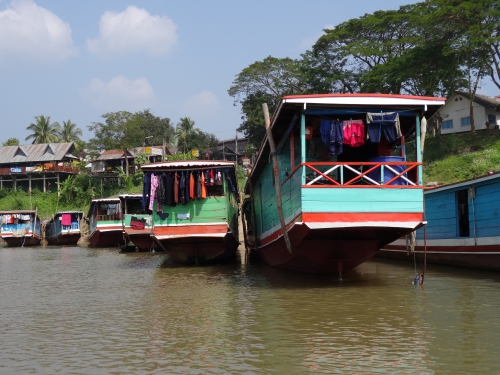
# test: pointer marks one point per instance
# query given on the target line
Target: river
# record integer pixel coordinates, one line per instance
(75, 310)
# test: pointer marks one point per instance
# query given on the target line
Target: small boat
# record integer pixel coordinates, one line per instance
(198, 218)
(105, 223)
(463, 226)
(64, 228)
(21, 228)
(137, 226)
(331, 184)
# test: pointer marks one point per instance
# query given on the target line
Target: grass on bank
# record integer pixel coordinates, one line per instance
(457, 157)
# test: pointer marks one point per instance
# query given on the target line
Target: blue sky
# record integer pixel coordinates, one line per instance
(80, 59)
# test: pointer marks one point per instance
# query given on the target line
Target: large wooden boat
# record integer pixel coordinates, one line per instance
(21, 228)
(137, 225)
(64, 228)
(201, 229)
(463, 226)
(105, 223)
(341, 201)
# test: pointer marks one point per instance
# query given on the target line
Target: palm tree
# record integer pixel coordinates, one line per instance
(68, 132)
(43, 130)
(184, 129)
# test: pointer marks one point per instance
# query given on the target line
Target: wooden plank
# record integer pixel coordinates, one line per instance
(362, 200)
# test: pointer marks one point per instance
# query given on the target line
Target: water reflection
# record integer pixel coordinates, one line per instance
(87, 311)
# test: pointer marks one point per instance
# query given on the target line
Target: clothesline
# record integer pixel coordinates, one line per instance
(324, 113)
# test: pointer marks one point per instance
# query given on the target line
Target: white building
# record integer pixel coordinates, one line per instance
(455, 114)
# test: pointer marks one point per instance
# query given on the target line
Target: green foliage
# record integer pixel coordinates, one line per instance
(43, 131)
(158, 128)
(184, 129)
(265, 81)
(457, 157)
(204, 142)
(241, 176)
(121, 130)
(68, 132)
(187, 156)
(11, 142)
(272, 76)
(253, 126)
(45, 203)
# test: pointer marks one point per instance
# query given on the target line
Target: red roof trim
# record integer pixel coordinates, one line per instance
(371, 95)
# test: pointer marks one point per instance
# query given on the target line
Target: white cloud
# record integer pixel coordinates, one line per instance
(30, 32)
(307, 43)
(120, 94)
(203, 104)
(133, 30)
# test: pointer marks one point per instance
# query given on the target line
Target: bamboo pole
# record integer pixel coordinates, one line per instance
(276, 173)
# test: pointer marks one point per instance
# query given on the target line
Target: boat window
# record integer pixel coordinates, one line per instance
(463, 213)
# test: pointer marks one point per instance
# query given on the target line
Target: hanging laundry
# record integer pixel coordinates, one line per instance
(191, 186)
(162, 188)
(146, 189)
(137, 223)
(383, 123)
(212, 177)
(169, 193)
(176, 187)
(354, 133)
(324, 130)
(186, 188)
(203, 186)
(228, 179)
(66, 219)
(154, 187)
(336, 137)
(198, 185)
(112, 209)
(182, 188)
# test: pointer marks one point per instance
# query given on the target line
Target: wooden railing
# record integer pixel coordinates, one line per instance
(356, 174)
(45, 168)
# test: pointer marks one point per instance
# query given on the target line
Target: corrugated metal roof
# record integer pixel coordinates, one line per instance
(114, 199)
(485, 101)
(187, 164)
(113, 155)
(130, 196)
(17, 212)
(42, 152)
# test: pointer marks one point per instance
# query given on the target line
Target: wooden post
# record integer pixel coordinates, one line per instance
(276, 173)
(254, 221)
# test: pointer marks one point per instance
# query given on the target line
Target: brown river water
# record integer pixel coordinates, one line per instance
(75, 310)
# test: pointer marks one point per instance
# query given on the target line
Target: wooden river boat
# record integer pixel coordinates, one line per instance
(198, 219)
(64, 228)
(343, 194)
(105, 223)
(463, 226)
(20, 228)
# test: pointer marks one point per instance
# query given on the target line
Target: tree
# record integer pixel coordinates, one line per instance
(121, 130)
(160, 129)
(253, 126)
(69, 132)
(473, 35)
(183, 130)
(204, 142)
(43, 130)
(394, 52)
(11, 142)
(272, 76)
(265, 81)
